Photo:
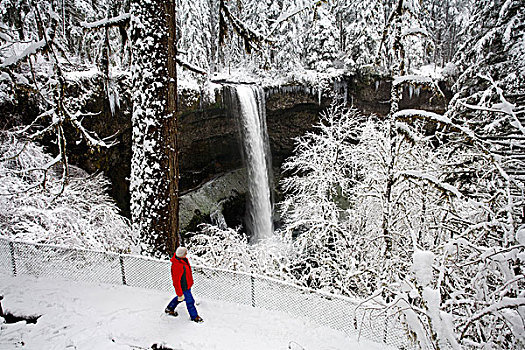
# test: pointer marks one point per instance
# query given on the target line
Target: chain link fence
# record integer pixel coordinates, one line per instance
(337, 312)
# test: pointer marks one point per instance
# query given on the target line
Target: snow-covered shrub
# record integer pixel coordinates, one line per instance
(425, 225)
(319, 187)
(225, 248)
(441, 215)
(36, 206)
(353, 203)
(229, 249)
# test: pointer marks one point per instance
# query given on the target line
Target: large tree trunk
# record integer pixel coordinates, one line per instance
(154, 164)
(399, 70)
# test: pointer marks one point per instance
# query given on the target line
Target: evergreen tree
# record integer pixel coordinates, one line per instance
(321, 46)
(444, 20)
(495, 49)
(195, 32)
(290, 37)
(360, 37)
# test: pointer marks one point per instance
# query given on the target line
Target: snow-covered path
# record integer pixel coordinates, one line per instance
(100, 316)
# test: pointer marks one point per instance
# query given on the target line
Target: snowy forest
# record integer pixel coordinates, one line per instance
(419, 211)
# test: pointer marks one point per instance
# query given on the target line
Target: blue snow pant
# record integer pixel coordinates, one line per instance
(190, 303)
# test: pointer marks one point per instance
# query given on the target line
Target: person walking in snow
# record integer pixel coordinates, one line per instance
(182, 281)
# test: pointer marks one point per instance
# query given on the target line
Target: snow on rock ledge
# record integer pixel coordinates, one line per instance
(208, 199)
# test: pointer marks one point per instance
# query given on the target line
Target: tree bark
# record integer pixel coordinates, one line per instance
(154, 165)
(399, 54)
(172, 129)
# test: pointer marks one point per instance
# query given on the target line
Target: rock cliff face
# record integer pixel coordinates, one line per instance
(209, 135)
(210, 143)
(210, 146)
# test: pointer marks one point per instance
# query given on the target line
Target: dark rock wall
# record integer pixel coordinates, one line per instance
(288, 116)
(209, 145)
(20, 109)
(371, 95)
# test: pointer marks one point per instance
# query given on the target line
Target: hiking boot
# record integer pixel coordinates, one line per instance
(197, 319)
(170, 312)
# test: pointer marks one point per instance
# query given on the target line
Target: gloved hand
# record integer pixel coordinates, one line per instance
(181, 298)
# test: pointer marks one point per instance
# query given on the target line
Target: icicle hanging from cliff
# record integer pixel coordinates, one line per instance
(251, 110)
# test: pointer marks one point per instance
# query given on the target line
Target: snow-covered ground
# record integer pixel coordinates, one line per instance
(100, 316)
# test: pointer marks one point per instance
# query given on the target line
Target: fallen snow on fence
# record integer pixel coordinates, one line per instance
(79, 315)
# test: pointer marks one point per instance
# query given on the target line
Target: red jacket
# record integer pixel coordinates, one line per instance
(181, 274)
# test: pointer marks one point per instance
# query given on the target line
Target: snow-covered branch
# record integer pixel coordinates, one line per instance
(252, 38)
(287, 15)
(503, 106)
(190, 66)
(91, 138)
(446, 188)
(122, 19)
(505, 303)
(32, 49)
(411, 114)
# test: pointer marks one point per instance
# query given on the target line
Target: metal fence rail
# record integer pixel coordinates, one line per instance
(337, 312)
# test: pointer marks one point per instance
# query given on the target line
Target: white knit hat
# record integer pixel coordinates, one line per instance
(181, 252)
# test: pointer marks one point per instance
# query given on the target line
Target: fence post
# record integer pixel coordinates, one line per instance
(13, 261)
(122, 271)
(385, 333)
(253, 290)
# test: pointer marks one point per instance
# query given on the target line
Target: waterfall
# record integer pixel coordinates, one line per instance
(248, 104)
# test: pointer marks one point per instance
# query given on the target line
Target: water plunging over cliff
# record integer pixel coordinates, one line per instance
(248, 105)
